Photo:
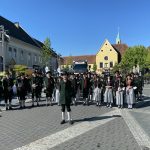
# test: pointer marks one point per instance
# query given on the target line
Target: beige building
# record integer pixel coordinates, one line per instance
(107, 56)
(20, 48)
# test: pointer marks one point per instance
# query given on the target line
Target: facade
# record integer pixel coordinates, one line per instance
(68, 61)
(20, 48)
(108, 55)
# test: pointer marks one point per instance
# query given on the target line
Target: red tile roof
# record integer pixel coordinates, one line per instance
(121, 48)
(91, 59)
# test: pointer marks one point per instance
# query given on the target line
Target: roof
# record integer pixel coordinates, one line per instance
(91, 59)
(16, 32)
(121, 48)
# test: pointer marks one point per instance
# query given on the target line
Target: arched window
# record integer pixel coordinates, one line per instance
(106, 58)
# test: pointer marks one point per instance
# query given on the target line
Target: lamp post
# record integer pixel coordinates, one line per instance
(3, 35)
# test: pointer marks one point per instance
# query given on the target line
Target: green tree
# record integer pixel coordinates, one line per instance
(147, 61)
(95, 67)
(134, 56)
(69, 60)
(46, 51)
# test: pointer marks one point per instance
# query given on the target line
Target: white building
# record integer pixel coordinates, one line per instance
(21, 48)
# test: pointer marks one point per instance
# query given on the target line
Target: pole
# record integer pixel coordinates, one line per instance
(3, 51)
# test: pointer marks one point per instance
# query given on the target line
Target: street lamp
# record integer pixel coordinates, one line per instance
(3, 35)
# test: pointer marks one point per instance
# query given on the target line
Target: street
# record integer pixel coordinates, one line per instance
(94, 128)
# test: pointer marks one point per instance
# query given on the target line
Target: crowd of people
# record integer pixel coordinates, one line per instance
(69, 89)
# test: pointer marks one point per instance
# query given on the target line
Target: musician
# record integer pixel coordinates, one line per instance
(65, 97)
(85, 89)
(35, 88)
(8, 91)
(49, 84)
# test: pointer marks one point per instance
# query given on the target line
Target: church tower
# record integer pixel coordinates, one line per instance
(118, 40)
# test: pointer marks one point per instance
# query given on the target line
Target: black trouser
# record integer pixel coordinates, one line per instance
(67, 106)
(8, 95)
(36, 93)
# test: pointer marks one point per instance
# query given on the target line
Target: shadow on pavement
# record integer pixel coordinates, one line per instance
(96, 118)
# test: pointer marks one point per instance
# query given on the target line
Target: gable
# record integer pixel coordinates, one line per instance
(106, 48)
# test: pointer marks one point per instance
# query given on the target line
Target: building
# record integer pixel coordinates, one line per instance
(107, 56)
(18, 47)
(67, 61)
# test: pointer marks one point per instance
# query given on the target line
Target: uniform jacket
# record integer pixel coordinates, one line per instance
(65, 92)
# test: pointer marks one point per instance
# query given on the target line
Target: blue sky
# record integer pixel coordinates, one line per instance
(79, 27)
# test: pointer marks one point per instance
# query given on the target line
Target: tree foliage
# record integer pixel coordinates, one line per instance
(46, 51)
(134, 56)
(20, 68)
(69, 60)
(95, 67)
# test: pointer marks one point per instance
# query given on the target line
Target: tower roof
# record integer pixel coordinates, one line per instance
(118, 40)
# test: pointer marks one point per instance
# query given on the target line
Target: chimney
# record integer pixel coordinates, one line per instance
(16, 24)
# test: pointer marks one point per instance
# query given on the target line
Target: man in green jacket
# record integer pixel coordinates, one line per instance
(65, 97)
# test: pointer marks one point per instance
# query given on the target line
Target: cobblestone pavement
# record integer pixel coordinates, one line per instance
(22, 127)
(113, 135)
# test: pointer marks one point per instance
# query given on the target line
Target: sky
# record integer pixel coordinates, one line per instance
(79, 27)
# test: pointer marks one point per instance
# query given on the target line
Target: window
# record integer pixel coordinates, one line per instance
(29, 57)
(106, 44)
(22, 54)
(101, 50)
(106, 58)
(15, 53)
(101, 64)
(106, 65)
(10, 52)
(35, 58)
(89, 67)
(111, 64)
(40, 59)
(110, 49)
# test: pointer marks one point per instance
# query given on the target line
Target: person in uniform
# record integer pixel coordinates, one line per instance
(35, 88)
(21, 90)
(108, 98)
(8, 92)
(40, 76)
(65, 97)
(85, 89)
(49, 85)
(74, 88)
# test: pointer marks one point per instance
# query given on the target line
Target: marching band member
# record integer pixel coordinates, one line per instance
(74, 88)
(35, 88)
(65, 97)
(8, 91)
(85, 89)
(49, 84)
